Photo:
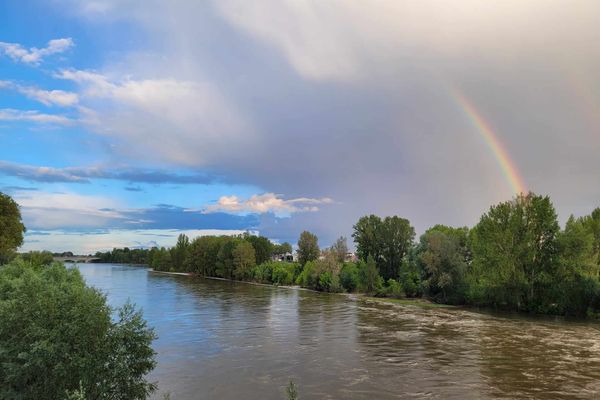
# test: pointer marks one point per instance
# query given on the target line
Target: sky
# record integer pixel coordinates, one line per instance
(125, 123)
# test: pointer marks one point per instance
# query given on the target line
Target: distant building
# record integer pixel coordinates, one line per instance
(287, 257)
(351, 257)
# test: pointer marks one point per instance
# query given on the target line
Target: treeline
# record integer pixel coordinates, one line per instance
(516, 258)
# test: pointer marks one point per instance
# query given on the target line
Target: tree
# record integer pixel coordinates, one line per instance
(396, 238)
(280, 249)
(340, 249)
(387, 241)
(369, 278)
(11, 227)
(514, 254)
(244, 260)
(366, 236)
(179, 252)
(262, 247)
(443, 256)
(57, 337)
(308, 247)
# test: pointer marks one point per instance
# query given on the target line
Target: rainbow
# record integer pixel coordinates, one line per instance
(508, 167)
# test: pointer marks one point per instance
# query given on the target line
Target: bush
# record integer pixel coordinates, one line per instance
(283, 273)
(263, 273)
(309, 277)
(57, 338)
(394, 289)
(349, 277)
(38, 257)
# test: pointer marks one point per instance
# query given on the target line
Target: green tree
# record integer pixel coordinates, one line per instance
(387, 241)
(262, 247)
(308, 247)
(366, 235)
(514, 254)
(283, 248)
(244, 260)
(396, 239)
(443, 256)
(11, 227)
(369, 279)
(179, 253)
(340, 249)
(57, 337)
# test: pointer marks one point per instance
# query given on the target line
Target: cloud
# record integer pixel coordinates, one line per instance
(45, 210)
(46, 97)
(35, 56)
(89, 241)
(350, 100)
(9, 114)
(194, 114)
(85, 174)
(266, 203)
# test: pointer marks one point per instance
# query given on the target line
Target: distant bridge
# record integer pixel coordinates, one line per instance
(77, 259)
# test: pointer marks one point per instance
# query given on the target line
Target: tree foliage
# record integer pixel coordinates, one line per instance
(11, 227)
(57, 336)
(308, 247)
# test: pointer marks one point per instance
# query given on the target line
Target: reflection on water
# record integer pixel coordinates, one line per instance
(223, 340)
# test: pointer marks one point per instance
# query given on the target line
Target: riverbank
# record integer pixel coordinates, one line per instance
(414, 302)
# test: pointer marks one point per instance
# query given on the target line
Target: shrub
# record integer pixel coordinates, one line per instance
(283, 273)
(394, 289)
(263, 273)
(349, 277)
(57, 338)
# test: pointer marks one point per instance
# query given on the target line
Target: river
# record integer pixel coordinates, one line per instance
(225, 340)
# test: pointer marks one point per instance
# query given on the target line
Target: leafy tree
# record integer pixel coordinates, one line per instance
(366, 235)
(349, 277)
(369, 278)
(308, 247)
(514, 253)
(283, 248)
(11, 227)
(243, 260)
(396, 239)
(225, 265)
(340, 249)
(443, 255)
(57, 338)
(387, 241)
(179, 252)
(262, 247)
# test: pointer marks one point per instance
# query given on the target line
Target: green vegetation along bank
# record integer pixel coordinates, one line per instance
(516, 258)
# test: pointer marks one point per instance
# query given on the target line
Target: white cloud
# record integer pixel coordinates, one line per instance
(9, 114)
(34, 55)
(264, 203)
(88, 242)
(345, 40)
(46, 97)
(44, 210)
(193, 115)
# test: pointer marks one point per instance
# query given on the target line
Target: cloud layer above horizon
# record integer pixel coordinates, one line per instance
(286, 115)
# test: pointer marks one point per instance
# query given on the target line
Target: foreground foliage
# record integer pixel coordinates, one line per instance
(57, 339)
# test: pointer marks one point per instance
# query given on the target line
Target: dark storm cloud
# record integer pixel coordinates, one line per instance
(86, 174)
(356, 102)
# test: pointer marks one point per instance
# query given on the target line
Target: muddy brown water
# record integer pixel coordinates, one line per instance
(224, 340)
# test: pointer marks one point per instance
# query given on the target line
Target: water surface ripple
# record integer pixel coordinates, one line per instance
(224, 340)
